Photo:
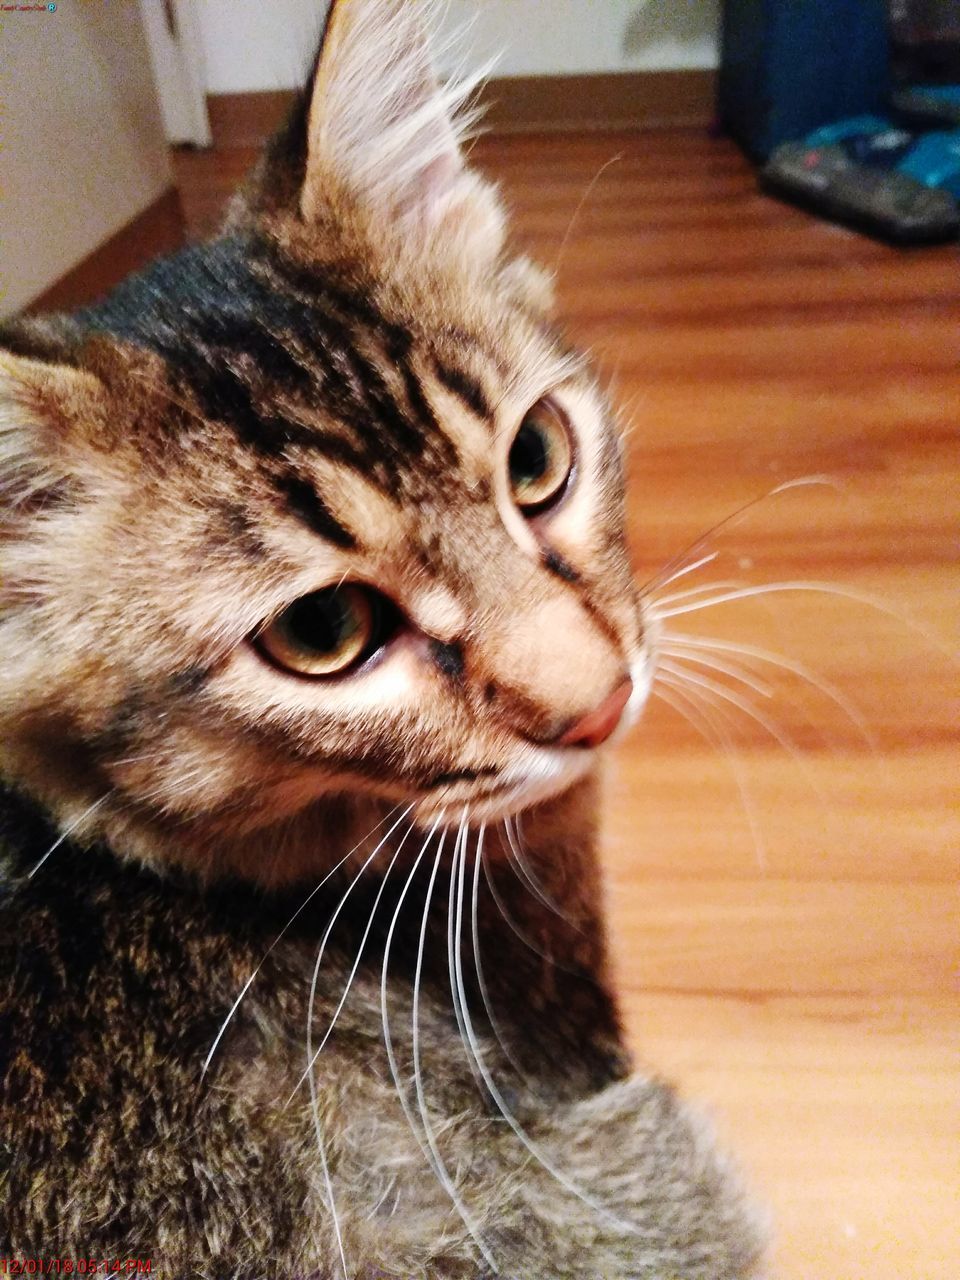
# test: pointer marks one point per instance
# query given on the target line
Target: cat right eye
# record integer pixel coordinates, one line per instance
(326, 632)
(541, 458)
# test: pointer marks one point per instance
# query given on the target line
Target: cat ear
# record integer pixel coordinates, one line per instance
(383, 130)
(41, 404)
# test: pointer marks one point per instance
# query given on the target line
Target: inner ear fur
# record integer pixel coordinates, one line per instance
(384, 135)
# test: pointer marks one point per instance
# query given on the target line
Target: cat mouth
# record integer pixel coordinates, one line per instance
(517, 788)
(492, 792)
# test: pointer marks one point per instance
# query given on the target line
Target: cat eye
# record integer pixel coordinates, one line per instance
(540, 459)
(326, 632)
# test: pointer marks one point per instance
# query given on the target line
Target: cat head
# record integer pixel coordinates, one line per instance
(322, 507)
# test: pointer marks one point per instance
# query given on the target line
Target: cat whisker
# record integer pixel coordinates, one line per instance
(452, 928)
(429, 1133)
(676, 596)
(683, 571)
(526, 874)
(68, 831)
(824, 588)
(800, 482)
(498, 1099)
(588, 191)
(426, 1141)
(303, 906)
(511, 922)
(328, 1187)
(713, 691)
(481, 980)
(686, 653)
(816, 681)
(314, 1100)
(717, 736)
(313, 1056)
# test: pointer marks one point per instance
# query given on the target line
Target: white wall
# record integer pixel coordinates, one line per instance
(249, 46)
(83, 146)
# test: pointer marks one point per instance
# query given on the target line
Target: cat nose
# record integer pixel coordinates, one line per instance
(597, 725)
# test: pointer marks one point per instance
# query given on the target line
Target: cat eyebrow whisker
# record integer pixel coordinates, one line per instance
(800, 482)
(689, 593)
(303, 906)
(664, 578)
(587, 192)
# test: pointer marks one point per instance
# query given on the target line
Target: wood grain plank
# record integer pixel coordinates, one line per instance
(843, 1109)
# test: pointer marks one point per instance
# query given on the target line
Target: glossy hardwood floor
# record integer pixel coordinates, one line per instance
(782, 841)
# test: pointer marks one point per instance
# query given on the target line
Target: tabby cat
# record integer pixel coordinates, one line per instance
(313, 581)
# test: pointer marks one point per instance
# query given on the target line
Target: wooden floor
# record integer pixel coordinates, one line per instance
(784, 895)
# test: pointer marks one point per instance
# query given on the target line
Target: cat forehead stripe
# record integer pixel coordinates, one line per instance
(287, 358)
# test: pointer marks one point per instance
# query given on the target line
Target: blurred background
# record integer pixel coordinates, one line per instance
(721, 190)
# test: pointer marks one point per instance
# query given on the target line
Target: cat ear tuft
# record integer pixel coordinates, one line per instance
(532, 284)
(383, 130)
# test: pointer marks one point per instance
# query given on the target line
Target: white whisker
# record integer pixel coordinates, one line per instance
(580, 203)
(492, 1088)
(718, 696)
(718, 737)
(721, 584)
(818, 682)
(527, 876)
(714, 690)
(481, 980)
(426, 1147)
(67, 832)
(824, 588)
(512, 924)
(659, 581)
(458, 852)
(312, 1057)
(735, 672)
(303, 906)
(801, 482)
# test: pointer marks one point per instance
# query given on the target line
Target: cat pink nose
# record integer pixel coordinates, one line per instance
(597, 725)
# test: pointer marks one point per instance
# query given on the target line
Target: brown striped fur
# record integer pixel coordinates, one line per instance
(328, 390)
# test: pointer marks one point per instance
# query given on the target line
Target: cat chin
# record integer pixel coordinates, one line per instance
(542, 776)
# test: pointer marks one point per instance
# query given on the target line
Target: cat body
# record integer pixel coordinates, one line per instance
(313, 579)
(115, 1145)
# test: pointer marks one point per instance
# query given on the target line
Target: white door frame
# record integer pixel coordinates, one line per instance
(176, 53)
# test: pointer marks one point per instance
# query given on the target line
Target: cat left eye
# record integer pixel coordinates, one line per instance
(540, 459)
(326, 632)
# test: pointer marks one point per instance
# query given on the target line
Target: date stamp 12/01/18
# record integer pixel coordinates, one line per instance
(76, 1266)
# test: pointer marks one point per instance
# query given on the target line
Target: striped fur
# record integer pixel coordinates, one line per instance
(327, 391)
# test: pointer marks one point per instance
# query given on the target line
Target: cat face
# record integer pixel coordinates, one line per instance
(324, 506)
